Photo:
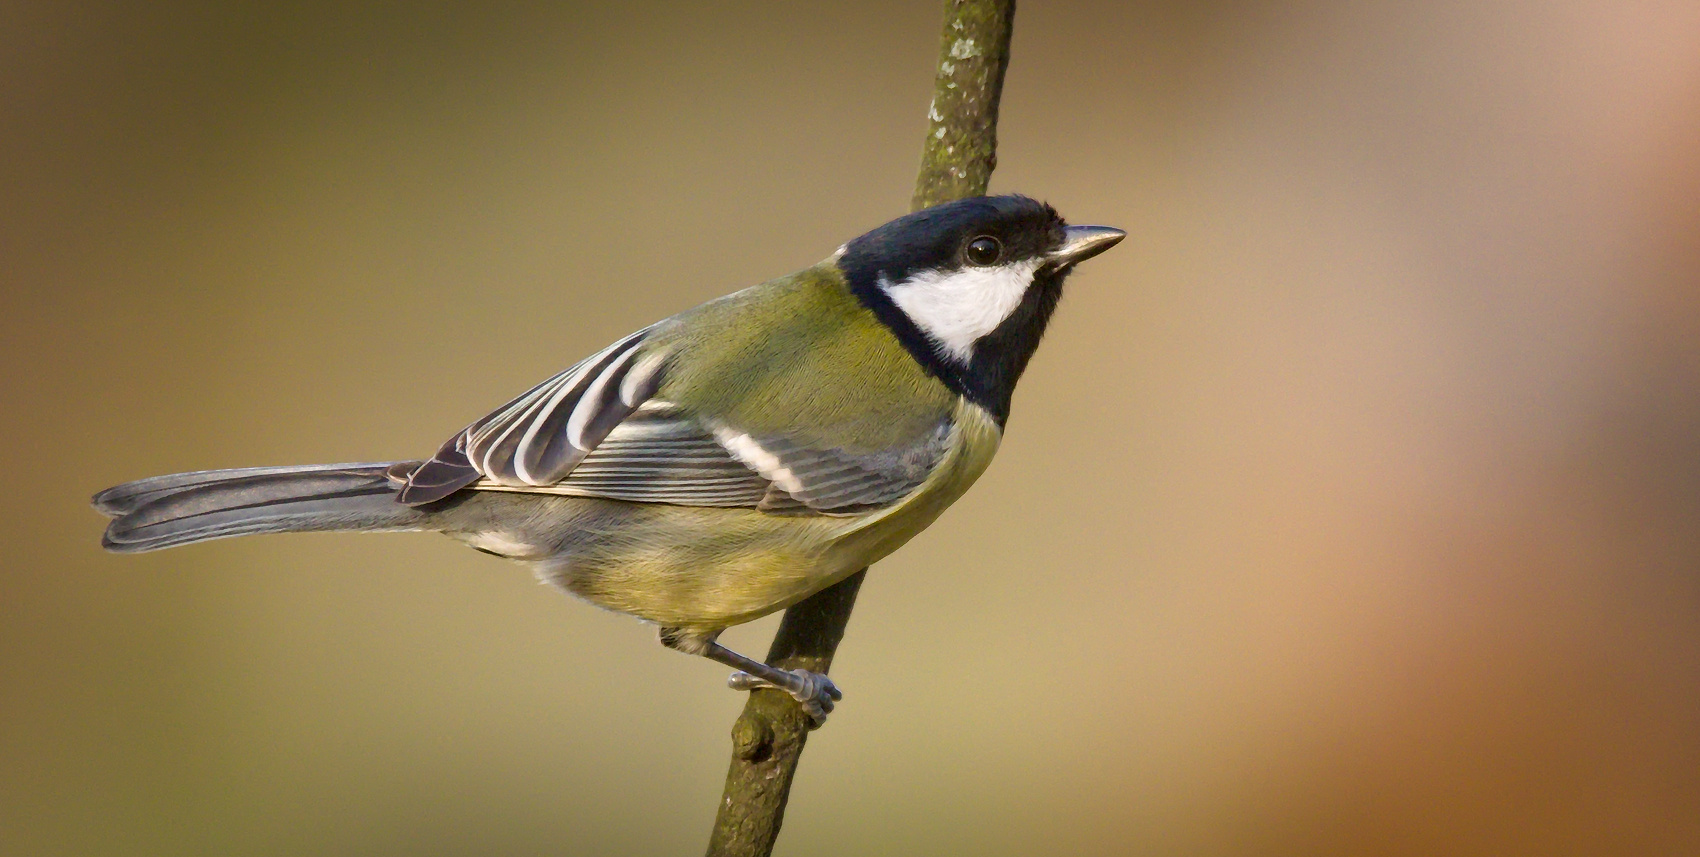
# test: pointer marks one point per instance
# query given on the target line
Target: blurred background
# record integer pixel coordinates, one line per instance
(1352, 506)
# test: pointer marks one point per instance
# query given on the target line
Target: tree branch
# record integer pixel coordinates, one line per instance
(960, 150)
(768, 738)
(956, 161)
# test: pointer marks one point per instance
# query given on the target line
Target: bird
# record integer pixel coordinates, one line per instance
(721, 464)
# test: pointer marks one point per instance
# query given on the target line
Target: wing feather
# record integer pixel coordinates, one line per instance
(596, 430)
(836, 481)
(662, 455)
(538, 437)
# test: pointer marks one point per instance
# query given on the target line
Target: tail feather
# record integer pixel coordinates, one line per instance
(125, 498)
(179, 509)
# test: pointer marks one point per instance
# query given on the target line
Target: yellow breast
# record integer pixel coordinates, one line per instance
(710, 568)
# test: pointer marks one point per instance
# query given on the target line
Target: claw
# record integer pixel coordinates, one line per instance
(815, 692)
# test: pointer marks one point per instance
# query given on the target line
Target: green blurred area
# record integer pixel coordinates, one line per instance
(1350, 507)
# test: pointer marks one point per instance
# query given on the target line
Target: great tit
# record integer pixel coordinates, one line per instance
(721, 464)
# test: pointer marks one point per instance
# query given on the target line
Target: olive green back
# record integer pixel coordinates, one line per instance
(800, 356)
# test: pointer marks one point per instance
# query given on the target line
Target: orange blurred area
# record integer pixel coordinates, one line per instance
(1350, 508)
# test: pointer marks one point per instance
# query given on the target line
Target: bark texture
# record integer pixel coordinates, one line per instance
(960, 150)
(956, 161)
(768, 738)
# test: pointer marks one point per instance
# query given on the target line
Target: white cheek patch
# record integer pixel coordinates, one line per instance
(956, 308)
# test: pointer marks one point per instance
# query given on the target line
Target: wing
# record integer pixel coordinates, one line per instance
(831, 480)
(770, 399)
(539, 437)
(662, 454)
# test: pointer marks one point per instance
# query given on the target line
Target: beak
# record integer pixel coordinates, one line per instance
(1083, 242)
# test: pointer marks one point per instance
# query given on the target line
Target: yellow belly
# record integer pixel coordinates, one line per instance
(709, 568)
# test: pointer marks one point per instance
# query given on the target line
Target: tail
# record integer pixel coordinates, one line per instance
(183, 508)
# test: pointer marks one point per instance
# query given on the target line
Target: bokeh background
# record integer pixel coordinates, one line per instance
(1352, 507)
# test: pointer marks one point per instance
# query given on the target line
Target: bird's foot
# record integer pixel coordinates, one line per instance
(815, 692)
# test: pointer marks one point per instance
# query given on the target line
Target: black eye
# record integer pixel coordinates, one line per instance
(982, 251)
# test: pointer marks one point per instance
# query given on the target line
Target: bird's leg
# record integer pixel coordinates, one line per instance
(815, 692)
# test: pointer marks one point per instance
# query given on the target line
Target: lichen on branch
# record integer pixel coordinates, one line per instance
(960, 149)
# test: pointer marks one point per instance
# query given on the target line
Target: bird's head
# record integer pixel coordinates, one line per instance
(968, 286)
